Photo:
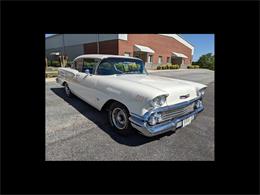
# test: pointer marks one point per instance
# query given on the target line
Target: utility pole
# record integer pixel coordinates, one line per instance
(98, 43)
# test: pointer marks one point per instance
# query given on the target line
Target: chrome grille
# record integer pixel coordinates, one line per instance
(171, 114)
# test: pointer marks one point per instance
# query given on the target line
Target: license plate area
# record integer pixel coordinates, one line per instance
(185, 122)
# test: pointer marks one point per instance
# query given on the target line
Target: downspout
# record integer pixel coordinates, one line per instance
(63, 50)
(98, 43)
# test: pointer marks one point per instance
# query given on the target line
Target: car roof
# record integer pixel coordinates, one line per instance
(102, 56)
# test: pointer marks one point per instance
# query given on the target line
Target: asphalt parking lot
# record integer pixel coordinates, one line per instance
(77, 131)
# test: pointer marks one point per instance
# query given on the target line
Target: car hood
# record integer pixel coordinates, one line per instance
(174, 88)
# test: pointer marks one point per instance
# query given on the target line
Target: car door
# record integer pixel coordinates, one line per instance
(86, 82)
(74, 77)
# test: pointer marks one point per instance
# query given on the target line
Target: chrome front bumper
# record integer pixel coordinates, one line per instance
(141, 122)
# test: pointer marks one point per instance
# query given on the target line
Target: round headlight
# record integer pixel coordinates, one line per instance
(152, 120)
(155, 118)
(201, 92)
(158, 101)
(198, 104)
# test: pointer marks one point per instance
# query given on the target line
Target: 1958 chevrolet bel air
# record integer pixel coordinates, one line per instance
(121, 85)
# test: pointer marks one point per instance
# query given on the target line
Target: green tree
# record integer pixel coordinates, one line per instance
(207, 61)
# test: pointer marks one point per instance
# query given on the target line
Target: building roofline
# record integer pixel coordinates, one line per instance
(181, 40)
(160, 34)
(177, 37)
(52, 36)
(185, 39)
(102, 56)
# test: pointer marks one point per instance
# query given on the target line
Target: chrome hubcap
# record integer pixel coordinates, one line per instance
(119, 118)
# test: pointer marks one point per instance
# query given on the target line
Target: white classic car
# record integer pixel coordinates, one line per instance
(121, 85)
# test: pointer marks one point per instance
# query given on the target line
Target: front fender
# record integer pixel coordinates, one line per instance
(135, 103)
(135, 97)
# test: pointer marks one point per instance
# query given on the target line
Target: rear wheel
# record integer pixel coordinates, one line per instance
(118, 116)
(67, 90)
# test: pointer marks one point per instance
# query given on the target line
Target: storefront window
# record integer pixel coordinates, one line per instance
(160, 60)
(150, 58)
(127, 54)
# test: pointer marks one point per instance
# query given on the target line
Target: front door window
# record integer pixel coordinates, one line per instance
(90, 64)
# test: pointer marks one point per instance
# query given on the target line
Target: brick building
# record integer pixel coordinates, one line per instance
(153, 49)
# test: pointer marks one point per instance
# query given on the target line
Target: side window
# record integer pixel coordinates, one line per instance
(106, 68)
(78, 65)
(91, 64)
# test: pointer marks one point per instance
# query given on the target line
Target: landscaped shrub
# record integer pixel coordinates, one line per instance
(53, 63)
(194, 63)
(69, 63)
(51, 74)
(176, 66)
(164, 67)
(168, 66)
(133, 67)
(50, 68)
(173, 66)
(193, 66)
(120, 67)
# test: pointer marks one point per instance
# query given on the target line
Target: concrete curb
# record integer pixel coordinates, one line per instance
(165, 70)
(50, 79)
(171, 70)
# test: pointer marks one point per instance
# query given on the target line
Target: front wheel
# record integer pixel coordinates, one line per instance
(119, 118)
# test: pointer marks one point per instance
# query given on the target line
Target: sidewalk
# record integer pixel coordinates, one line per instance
(165, 70)
(50, 79)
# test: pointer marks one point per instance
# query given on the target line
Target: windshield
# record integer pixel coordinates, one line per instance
(110, 66)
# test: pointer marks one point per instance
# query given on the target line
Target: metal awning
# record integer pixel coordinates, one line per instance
(143, 49)
(179, 55)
